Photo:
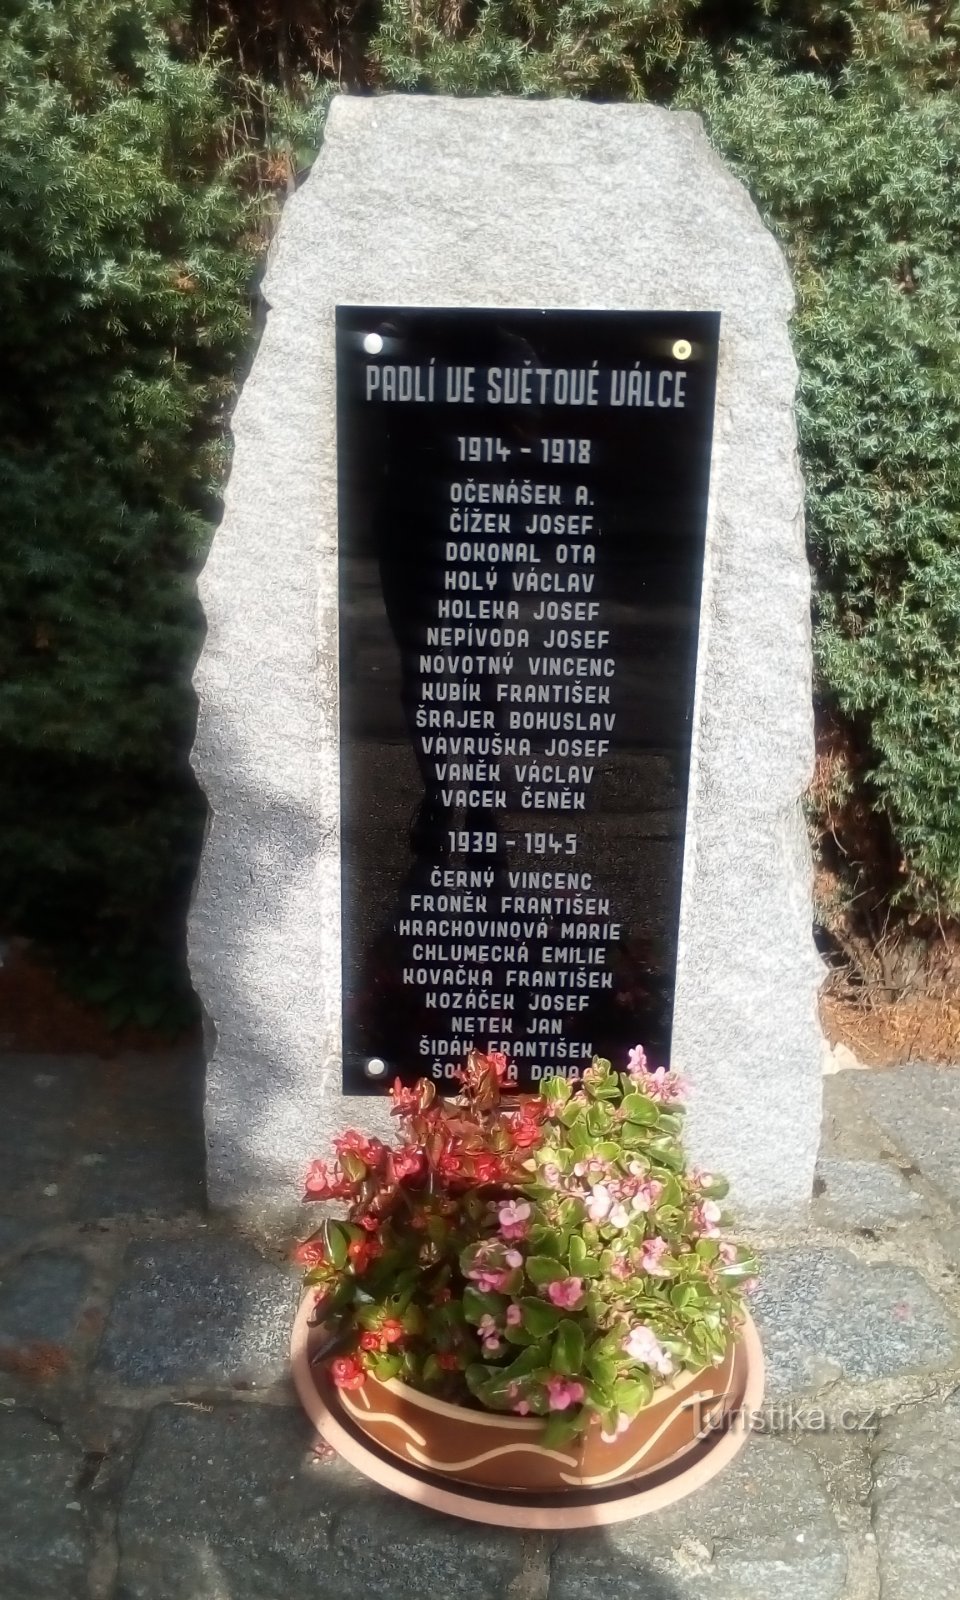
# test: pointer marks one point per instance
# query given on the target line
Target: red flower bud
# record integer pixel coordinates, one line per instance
(347, 1373)
(361, 1252)
(310, 1254)
(408, 1164)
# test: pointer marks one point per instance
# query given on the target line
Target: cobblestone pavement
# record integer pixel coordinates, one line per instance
(151, 1448)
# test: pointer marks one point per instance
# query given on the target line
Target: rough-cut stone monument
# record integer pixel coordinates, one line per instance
(499, 203)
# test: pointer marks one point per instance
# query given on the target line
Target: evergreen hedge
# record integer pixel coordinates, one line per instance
(844, 120)
(136, 147)
(126, 267)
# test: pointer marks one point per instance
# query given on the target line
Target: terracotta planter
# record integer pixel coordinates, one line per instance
(506, 1452)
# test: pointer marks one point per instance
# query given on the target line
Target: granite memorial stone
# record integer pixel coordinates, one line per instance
(494, 769)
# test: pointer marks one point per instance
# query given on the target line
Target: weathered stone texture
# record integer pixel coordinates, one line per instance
(438, 202)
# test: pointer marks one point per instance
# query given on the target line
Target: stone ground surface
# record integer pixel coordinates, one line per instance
(151, 1447)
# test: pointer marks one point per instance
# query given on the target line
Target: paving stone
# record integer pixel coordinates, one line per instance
(141, 1138)
(949, 1240)
(848, 1131)
(232, 1504)
(918, 1107)
(130, 1180)
(916, 1503)
(41, 1299)
(823, 1316)
(39, 1100)
(863, 1194)
(762, 1529)
(43, 1547)
(15, 1233)
(199, 1310)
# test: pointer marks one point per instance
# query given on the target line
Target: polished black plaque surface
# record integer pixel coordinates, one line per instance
(522, 511)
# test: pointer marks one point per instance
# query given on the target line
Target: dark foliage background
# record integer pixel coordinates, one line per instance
(145, 149)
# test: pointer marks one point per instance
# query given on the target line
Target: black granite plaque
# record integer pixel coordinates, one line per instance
(523, 503)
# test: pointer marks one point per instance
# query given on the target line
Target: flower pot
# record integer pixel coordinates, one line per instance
(498, 1451)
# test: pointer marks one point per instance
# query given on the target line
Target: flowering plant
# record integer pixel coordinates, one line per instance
(554, 1258)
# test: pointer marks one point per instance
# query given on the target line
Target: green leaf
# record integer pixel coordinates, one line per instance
(669, 1152)
(568, 1348)
(336, 1242)
(315, 1276)
(432, 1372)
(539, 1316)
(468, 1257)
(353, 1166)
(597, 1396)
(632, 1394)
(516, 1333)
(740, 1269)
(531, 1360)
(638, 1108)
(546, 1241)
(478, 1303)
(561, 1427)
(542, 1270)
(477, 1376)
(386, 1367)
(577, 1256)
(571, 1213)
(602, 1368)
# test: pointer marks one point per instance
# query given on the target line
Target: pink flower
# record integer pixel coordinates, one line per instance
(650, 1258)
(728, 1254)
(668, 1087)
(492, 1346)
(750, 1285)
(642, 1344)
(563, 1392)
(513, 1217)
(621, 1268)
(647, 1195)
(623, 1423)
(637, 1061)
(599, 1202)
(514, 1316)
(522, 1407)
(590, 1169)
(619, 1217)
(486, 1280)
(488, 1327)
(565, 1293)
(705, 1218)
(514, 1259)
